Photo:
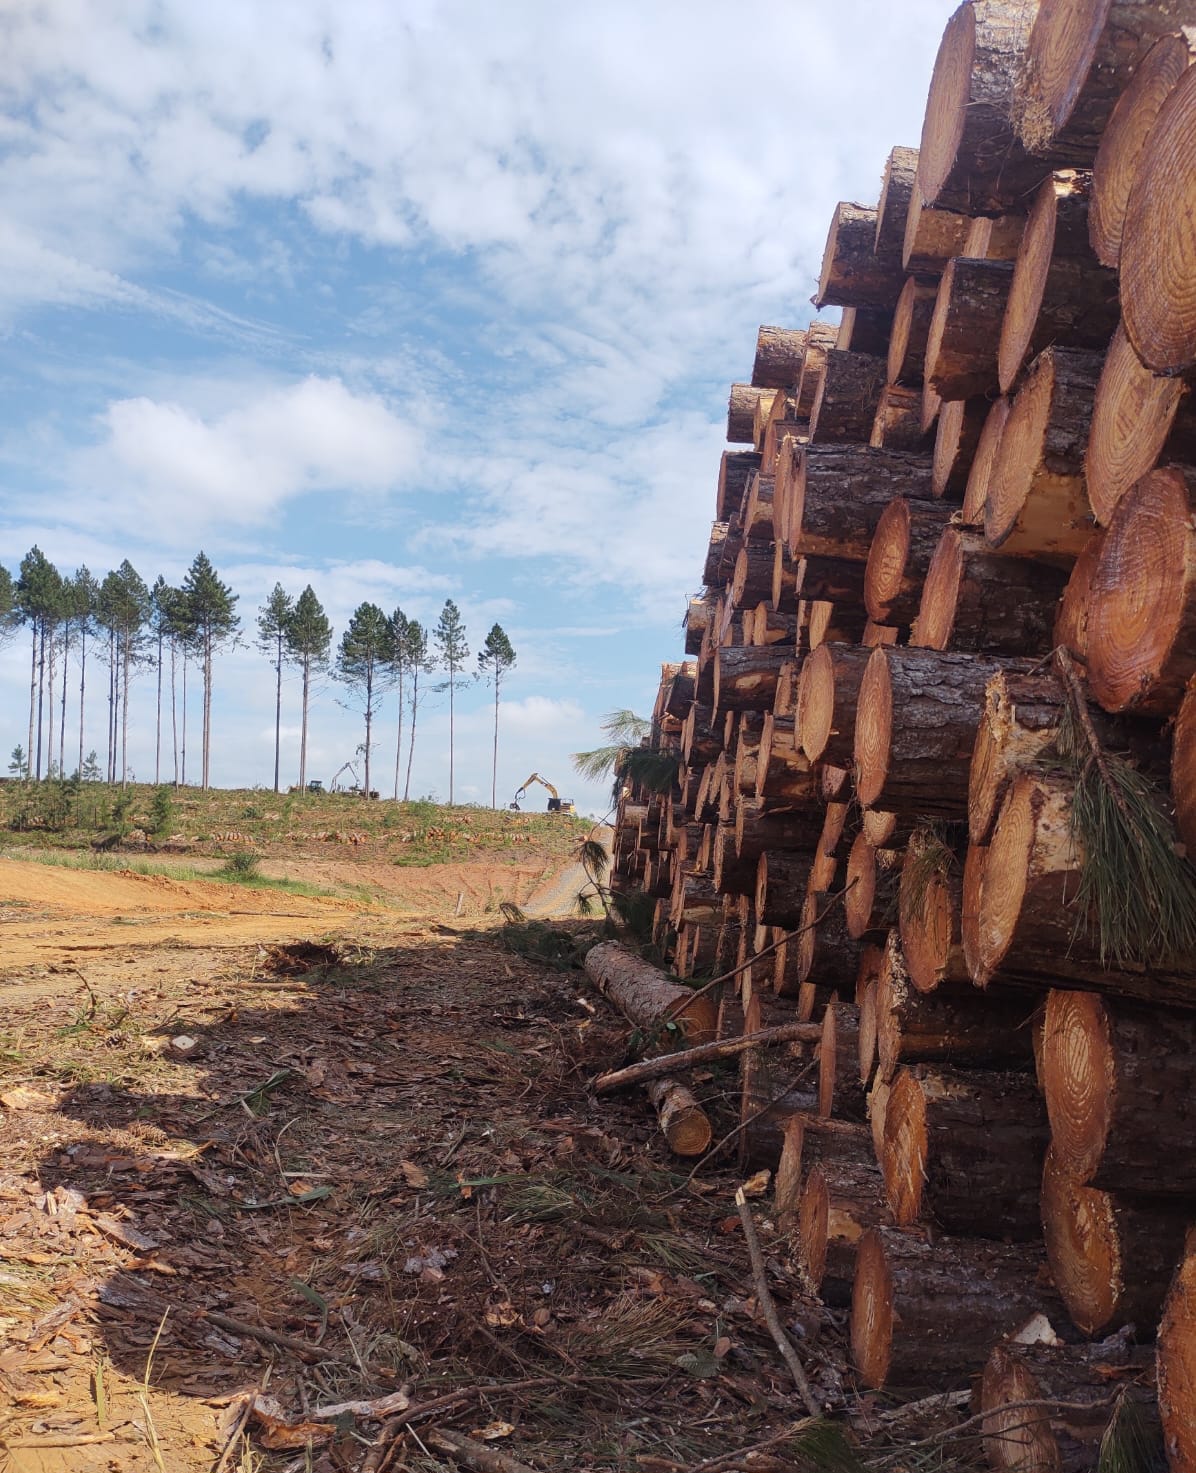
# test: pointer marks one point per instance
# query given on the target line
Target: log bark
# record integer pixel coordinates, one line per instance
(683, 1122)
(752, 580)
(872, 880)
(781, 879)
(975, 599)
(911, 329)
(741, 413)
(926, 1314)
(916, 726)
(969, 158)
(701, 738)
(964, 1149)
(1142, 600)
(954, 1026)
(761, 826)
(975, 494)
(1060, 292)
(1110, 1258)
(834, 580)
(1177, 1364)
(1037, 506)
(961, 350)
(847, 398)
(898, 422)
(786, 580)
(1084, 1382)
(865, 330)
(716, 550)
(841, 1199)
(1030, 925)
(840, 1092)
(871, 961)
(827, 954)
(758, 512)
(826, 701)
(995, 238)
(1158, 241)
(930, 915)
(645, 996)
(1079, 59)
(932, 238)
(903, 544)
(705, 1053)
(1139, 418)
(957, 437)
(892, 210)
(1118, 155)
(820, 339)
(833, 624)
(853, 274)
(732, 875)
(780, 352)
(1117, 1084)
(734, 471)
(837, 499)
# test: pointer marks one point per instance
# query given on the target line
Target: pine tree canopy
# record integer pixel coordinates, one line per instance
(497, 655)
(273, 618)
(449, 637)
(308, 633)
(365, 647)
(211, 604)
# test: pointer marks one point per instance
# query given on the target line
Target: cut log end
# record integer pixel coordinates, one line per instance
(813, 1216)
(927, 909)
(1082, 1247)
(946, 105)
(905, 1148)
(683, 1122)
(1076, 1075)
(1015, 1437)
(873, 729)
(872, 1312)
(940, 593)
(1177, 1363)
(1006, 871)
(975, 494)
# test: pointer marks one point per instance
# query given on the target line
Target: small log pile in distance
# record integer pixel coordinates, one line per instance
(894, 793)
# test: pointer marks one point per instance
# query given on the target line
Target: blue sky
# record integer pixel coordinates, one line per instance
(414, 300)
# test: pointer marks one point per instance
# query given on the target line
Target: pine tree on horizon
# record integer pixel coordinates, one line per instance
(363, 665)
(308, 639)
(452, 653)
(495, 658)
(271, 640)
(417, 661)
(211, 606)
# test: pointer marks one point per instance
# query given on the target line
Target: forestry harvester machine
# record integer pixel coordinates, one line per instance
(556, 804)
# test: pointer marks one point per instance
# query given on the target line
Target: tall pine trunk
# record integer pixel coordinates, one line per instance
(158, 722)
(174, 714)
(183, 777)
(82, 685)
(111, 764)
(50, 707)
(303, 725)
(277, 709)
(411, 738)
(32, 701)
(452, 692)
(124, 709)
(41, 691)
(399, 732)
(494, 760)
(369, 721)
(207, 709)
(66, 658)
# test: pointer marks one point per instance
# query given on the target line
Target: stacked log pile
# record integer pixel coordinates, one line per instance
(992, 458)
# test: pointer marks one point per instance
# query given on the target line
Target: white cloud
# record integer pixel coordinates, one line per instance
(179, 473)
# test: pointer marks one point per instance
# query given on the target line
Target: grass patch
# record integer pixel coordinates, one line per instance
(231, 873)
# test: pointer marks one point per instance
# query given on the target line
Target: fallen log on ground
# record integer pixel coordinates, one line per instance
(705, 1053)
(646, 997)
(683, 1122)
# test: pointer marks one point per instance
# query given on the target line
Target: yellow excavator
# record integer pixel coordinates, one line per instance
(556, 804)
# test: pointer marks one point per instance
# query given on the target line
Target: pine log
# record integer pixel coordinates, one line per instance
(645, 996)
(825, 870)
(975, 495)
(820, 339)
(916, 726)
(741, 412)
(780, 352)
(1117, 1082)
(1036, 502)
(731, 875)
(829, 623)
(1110, 1258)
(964, 1148)
(841, 1198)
(1031, 927)
(1060, 292)
(1142, 600)
(1177, 1364)
(1118, 156)
(1018, 726)
(683, 1122)
(975, 599)
(969, 159)
(995, 238)
(955, 1026)
(781, 879)
(974, 865)
(961, 349)
(853, 275)
(734, 471)
(872, 880)
(903, 544)
(1158, 242)
(837, 498)
(930, 914)
(1071, 618)
(701, 739)
(960, 424)
(1183, 771)
(758, 512)
(1139, 418)
(840, 1092)
(1080, 56)
(826, 701)
(786, 580)
(1084, 1383)
(827, 955)
(926, 1314)
(932, 404)
(898, 422)
(761, 826)
(698, 616)
(867, 977)
(847, 397)
(911, 329)
(678, 701)
(752, 579)
(878, 1104)
(896, 196)
(932, 238)
(865, 330)
(776, 438)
